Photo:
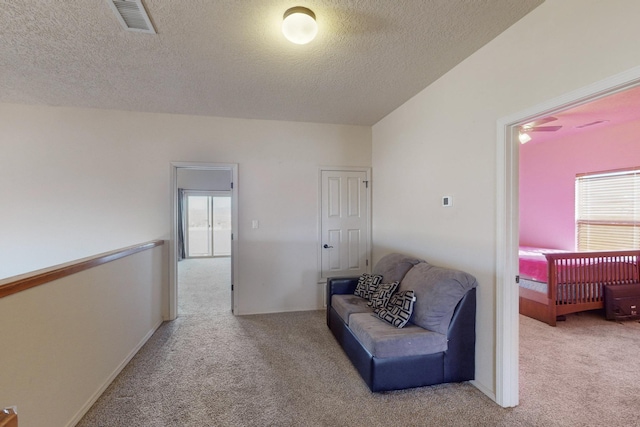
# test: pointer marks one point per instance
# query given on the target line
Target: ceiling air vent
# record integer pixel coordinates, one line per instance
(591, 124)
(132, 15)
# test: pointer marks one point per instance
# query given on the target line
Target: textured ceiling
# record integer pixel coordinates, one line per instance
(228, 58)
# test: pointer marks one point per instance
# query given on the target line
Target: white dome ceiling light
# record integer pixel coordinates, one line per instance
(299, 25)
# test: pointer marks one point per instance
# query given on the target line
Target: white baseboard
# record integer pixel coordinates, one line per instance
(85, 408)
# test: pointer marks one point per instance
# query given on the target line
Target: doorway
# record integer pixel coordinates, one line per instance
(507, 225)
(204, 223)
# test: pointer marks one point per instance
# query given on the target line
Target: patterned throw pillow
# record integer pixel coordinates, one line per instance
(367, 285)
(399, 309)
(380, 298)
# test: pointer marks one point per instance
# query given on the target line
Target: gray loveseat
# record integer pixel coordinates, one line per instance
(437, 345)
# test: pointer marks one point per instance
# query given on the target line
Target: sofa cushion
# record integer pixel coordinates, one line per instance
(380, 298)
(438, 290)
(399, 310)
(383, 340)
(367, 285)
(347, 304)
(394, 266)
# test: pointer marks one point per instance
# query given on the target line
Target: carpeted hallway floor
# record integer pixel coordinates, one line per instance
(209, 368)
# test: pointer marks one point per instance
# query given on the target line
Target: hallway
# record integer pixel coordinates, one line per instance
(204, 286)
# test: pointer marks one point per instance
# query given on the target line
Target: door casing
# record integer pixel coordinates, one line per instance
(172, 300)
(507, 226)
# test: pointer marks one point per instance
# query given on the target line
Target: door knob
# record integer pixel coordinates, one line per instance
(327, 246)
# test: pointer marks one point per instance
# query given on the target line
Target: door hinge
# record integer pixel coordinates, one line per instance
(231, 236)
(367, 263)
(517, 279)
(366, 183)
(232, 287)
(232, 185)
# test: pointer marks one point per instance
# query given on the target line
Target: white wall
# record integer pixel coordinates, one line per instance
(64, 342)
(443, 141)
(211, 180)
(76, 182)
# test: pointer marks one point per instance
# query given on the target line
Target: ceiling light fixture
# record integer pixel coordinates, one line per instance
(299, 25)
(523, 136)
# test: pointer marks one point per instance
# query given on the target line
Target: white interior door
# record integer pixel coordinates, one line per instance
(345, 230)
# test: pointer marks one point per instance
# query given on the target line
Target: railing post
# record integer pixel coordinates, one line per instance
(8, 418)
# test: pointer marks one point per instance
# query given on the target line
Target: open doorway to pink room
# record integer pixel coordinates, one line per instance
(526, 174)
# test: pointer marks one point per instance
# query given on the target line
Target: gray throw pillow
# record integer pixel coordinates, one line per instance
(381, 297)
(367, 285)
(399, 310)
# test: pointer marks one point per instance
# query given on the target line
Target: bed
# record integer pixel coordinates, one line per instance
(555, 282)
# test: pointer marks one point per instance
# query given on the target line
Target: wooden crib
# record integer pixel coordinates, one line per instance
(576, 282)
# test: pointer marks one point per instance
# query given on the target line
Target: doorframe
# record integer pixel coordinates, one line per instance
(172, 300)
(507, 223)
(369, 214)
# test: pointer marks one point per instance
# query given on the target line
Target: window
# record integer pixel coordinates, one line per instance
(608, 210)
(208, 218)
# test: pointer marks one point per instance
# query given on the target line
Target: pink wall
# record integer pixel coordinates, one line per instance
(547, 179)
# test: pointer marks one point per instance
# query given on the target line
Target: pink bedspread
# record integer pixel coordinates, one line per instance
(533, 264)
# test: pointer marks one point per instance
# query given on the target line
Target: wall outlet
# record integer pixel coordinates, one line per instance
(447, 201)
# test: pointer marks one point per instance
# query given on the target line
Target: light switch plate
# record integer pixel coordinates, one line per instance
(447, 201)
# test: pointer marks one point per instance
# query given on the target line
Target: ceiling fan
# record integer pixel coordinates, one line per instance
(535, 126)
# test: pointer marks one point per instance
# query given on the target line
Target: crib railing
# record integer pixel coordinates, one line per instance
(8, 418)
(578, 278)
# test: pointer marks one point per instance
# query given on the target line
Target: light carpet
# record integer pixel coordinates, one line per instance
(210, 368)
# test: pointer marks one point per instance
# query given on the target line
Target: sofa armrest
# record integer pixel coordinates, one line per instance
(340, 286)
(460, 358)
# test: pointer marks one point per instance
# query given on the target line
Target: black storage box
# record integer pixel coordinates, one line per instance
(622, 302)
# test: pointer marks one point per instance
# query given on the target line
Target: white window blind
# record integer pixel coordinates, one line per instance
(608, 210)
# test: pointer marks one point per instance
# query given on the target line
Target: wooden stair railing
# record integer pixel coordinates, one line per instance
(26, 281)
(8, 418)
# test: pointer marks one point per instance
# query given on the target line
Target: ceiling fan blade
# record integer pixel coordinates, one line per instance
(540, 121)
(545, 129)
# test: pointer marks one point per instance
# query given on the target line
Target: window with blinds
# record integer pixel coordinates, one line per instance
(608, 210)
